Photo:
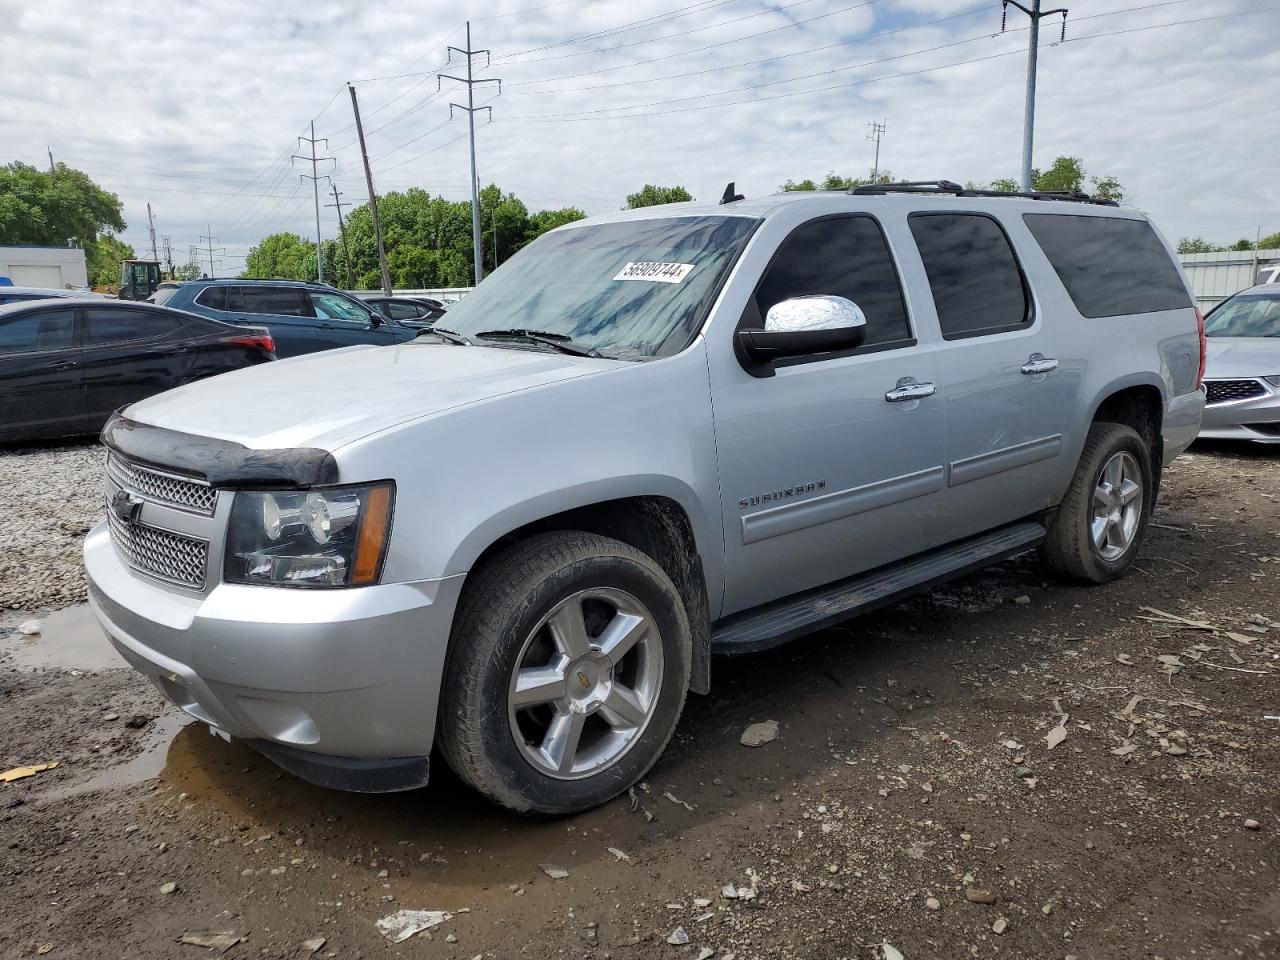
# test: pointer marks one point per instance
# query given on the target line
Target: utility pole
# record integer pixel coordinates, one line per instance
(52, 174)
(151, 227)
(342, 230)
(209, 238)
(471, 110)
(373, 196)
(875, 131)
(315, 179)
(168, 254)
(1033, 49)
(495, 238)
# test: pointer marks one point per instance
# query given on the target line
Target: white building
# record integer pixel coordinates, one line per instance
(54, 268)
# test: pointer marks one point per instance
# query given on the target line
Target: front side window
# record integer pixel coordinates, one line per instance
(330, 306)
(104, 326)
(633, 290)
(279, 301)
(844, 256)
(1245, 316)
(215, 298)
(1111, 266)
(973, 274)
(37, 332)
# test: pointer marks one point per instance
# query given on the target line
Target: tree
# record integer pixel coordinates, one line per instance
(103, 260)
(284, 256)
(833, 181)
(1067, 175)
(653, 196)
(1195, 245)
(544, 220)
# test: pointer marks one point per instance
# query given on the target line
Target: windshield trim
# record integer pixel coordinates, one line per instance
(713, 299)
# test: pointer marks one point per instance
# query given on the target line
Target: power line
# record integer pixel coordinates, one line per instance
(875, 131)
(666, 16)
(315, 179)
(210, 238)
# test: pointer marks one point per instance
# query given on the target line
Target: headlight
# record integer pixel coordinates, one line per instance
(326, 537)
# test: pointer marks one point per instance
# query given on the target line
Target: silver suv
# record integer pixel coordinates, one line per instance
(648, 437)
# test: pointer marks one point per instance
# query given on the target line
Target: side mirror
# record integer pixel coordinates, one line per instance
(805, 325)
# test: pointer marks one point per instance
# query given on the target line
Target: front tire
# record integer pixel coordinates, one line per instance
(567, 672)
(1099, 526)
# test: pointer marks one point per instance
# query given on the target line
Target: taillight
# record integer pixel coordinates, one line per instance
(263, 341)
(1204, 348)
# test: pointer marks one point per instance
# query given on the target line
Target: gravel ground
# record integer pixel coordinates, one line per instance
(50, 497)
(1006, 767)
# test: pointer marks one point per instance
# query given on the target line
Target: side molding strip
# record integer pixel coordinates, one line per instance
(1006, 458)
(790, 517)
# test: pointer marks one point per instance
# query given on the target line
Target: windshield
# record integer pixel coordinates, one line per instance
(163, 295)
(632, 290)
(1253, 316)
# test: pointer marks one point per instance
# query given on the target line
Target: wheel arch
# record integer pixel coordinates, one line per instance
(657, 518)
(1137, 402)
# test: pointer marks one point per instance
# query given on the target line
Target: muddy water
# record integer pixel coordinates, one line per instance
(69, 639)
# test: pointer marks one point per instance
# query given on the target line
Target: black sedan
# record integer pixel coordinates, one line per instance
(66, 364)
(411, 311)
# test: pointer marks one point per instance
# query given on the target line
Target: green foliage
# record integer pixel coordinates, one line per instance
(103, 260)
(1195, 245)
(1067, 175)
(186, 271)
(284, 256)
(833, 181)
(653, 196)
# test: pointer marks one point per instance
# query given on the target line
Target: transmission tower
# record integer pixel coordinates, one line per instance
(315, 179)
(875, 131)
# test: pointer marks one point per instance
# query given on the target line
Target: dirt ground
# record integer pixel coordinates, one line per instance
(912, 776)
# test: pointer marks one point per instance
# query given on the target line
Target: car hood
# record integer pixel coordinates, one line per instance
(1232, 358)
(332, 398)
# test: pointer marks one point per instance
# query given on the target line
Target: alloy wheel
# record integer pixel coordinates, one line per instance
(1117, 506)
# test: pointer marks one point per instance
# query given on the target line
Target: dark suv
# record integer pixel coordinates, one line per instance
(302, 317)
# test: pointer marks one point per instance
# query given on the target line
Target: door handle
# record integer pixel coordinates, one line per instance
(1039, 363)
(909, 388)
(63, 365)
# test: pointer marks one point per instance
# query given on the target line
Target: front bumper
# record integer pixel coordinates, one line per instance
(338, 686)
(1256, 419)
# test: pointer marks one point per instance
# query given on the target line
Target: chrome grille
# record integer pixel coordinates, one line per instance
(193, 495)
(1226, 391)
(160, 553)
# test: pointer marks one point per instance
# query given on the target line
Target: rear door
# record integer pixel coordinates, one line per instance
(129, 354)
(285, 311)
(40, 375)
(343, 321)
(1005, 396)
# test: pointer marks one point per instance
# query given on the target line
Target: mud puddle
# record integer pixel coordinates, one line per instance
(69, 639)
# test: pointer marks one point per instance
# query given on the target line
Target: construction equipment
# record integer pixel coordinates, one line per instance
(138, 279)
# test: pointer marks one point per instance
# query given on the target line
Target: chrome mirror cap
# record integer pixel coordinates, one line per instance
(824, 312)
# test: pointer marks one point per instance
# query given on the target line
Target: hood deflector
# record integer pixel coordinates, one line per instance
(223, 463)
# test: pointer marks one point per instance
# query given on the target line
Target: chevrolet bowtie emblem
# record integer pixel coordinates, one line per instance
(125, 505)
(584, 679)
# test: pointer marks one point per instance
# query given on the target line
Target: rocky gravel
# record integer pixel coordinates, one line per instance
(50, 497)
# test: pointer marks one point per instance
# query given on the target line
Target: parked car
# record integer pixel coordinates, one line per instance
(413, 311)
(10, 294)
(66, 364)
(302, 317)
(646, 437)
(163, 292)
(1269, 274)
(1242, 374)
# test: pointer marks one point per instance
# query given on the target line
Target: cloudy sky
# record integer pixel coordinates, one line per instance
(196, 107)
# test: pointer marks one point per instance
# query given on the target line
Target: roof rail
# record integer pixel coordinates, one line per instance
(951, 187)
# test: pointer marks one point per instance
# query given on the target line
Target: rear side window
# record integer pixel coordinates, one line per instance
(36, 332)
(280, 301)
(215, 298)
(103, 326)
(845, 257)
(1110, 266)
(974, 276)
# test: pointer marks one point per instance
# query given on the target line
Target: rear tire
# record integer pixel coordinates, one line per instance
(1100, 524)
(567, 672)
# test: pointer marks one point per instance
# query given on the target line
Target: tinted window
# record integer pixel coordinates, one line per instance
(31, 332)
(215, 298)
(278, 300)
(1109, 266)
(330, 306)
(117, 326)
(403, 311)
(1241, 316)
(845, 257)
(975, 279)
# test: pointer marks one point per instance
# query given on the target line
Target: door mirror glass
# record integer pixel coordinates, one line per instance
(801, 326)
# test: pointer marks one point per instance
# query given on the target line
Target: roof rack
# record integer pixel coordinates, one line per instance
(951, 187)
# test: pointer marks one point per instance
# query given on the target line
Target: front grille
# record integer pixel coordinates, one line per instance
(1225, 391)
(160, 553)
(193, 495)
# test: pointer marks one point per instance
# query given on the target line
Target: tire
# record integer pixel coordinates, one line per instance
(1072, 547)
(495, 733)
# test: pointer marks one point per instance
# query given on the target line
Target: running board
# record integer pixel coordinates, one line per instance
(776, 623)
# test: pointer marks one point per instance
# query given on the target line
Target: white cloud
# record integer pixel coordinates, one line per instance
(182, 107)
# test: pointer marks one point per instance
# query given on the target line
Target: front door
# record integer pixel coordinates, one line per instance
(40, 375)
(342, 321)
(828, 467)
(283, 310)
(1005, 396)
(128, 354)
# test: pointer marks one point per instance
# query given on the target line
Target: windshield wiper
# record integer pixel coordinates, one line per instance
(558, 340)
(449, 335)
